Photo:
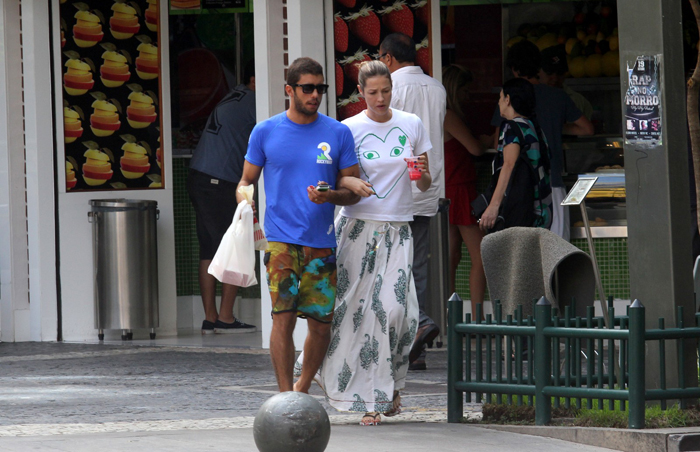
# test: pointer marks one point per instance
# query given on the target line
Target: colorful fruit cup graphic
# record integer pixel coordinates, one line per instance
(185, 4)
(87, 30)
(72, 123)
(124, 22)
(413, 172)
(114, 71)
(147, 61)
(141, 111)
(70, 174)
(134, 163)
(104, 120)
(78, 77)
(152, 15)
(97, 168)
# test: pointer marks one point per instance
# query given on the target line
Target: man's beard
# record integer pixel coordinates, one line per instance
(301, 108)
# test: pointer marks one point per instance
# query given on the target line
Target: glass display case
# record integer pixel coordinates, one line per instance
(605, 206)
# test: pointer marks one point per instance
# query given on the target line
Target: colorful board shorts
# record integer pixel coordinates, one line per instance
(301, 279)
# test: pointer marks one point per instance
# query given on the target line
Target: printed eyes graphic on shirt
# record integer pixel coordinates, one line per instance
(373, 147)
(395, 152)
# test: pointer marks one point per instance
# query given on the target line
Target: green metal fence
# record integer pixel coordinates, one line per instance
(550, 357)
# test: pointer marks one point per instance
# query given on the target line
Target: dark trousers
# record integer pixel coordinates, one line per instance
(420, 226)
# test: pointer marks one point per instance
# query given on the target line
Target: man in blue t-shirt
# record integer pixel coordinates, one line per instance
(298, 149)
(556, 114)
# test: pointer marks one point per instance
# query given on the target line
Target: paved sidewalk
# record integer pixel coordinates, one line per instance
(114, 397)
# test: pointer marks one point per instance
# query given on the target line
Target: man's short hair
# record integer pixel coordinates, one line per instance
(400, 46)
(248, 71)
(302, 66)
(524, 58)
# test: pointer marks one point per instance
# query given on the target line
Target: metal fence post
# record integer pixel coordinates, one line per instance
(636, 366)
(455, 407)
(543, 357)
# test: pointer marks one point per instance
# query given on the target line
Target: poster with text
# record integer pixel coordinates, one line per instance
(358, 29)
(111, 94)
(643, 102)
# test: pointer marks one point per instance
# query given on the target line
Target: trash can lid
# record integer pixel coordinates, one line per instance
(124, 203)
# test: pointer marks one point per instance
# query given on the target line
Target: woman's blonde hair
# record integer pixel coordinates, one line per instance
(454, 77)
(370, 69)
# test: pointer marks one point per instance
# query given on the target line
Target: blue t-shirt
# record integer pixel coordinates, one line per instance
(553, 108)
(295, 156)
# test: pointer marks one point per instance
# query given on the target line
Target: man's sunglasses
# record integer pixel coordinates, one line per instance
(308, 88)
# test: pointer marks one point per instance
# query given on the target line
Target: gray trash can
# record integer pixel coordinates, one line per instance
(439, 267)
(125, 265)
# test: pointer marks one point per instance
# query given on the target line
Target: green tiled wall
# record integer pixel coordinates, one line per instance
(186, 245)
(611, 254)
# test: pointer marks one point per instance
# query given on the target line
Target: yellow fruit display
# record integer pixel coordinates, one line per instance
(124, 23)
(87, 30)
(134, 163)
(141, 112)
(147, 61)
(70, 176)
(72, 125)
(114, 72)
(97, 168)
(104, 120)
(78, 77)
(577, 67)
(594, 65)
(547, 40)
(152, 15)
(611, 64)
(614, 42)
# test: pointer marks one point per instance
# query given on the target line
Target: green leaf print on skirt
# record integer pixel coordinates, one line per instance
(369, 352)
(357, 317)
(344, 377)
(377, 306)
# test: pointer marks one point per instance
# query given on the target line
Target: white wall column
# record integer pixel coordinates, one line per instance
(14, 276)
(39, 138)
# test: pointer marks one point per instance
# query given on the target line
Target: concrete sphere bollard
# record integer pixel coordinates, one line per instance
(291, 422)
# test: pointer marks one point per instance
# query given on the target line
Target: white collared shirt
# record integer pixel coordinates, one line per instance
(417, 93)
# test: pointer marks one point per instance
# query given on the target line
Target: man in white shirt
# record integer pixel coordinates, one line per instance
(417, 93)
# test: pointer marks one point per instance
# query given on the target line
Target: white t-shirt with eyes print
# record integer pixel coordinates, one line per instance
(381, 148)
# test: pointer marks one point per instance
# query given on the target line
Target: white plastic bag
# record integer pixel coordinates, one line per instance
(260, 240)
(234, 261)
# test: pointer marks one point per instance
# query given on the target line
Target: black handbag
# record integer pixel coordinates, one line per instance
(517, 206)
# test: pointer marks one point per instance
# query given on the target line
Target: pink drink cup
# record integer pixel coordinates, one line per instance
(413, 172)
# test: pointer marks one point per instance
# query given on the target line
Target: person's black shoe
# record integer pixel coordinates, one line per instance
(419, 363)
(207, 327)
(235, 327)
(425, 335)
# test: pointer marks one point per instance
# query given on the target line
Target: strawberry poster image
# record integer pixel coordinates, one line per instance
(111, 102)
(359, 27)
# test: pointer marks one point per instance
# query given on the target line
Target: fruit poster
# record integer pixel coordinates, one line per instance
(643, 102)
(111, 94)
(359, 27)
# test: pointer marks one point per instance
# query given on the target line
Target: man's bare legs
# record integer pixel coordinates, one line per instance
(207, 285)
(471, 236)
(282, 348)
(315, 348)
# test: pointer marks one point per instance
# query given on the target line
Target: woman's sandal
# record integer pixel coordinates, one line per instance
(372, 418)
(396, 408)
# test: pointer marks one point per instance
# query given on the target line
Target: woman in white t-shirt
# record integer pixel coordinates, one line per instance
(376, 311)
